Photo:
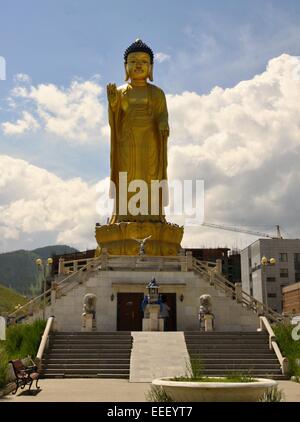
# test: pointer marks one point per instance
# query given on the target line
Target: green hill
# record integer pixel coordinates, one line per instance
(18, 269)
(9, 299)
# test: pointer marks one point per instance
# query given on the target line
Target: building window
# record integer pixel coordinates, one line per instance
(297, 261)
(272, 295)
(297, 277)
(283, 257)
(271, 279)
(297, 257)
(284, 272)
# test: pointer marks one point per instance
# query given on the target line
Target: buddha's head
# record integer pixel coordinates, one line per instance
(138, 61)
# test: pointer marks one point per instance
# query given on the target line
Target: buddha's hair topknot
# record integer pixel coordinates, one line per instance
(138, 46)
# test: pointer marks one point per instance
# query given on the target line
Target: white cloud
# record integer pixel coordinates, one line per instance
(75, 114)
(243, 141)
(34, 200)
(25, 124)
(161, 57)
(22, 77)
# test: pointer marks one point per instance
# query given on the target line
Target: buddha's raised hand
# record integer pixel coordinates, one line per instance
(112, 95)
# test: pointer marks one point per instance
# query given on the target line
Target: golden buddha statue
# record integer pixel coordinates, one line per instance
(138, 119)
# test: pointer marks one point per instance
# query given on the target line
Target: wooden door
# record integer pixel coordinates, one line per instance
(171, 302)
(129, 311)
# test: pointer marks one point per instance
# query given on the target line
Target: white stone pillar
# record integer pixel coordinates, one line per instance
(208, 322)
(87, 322)
(238, 292)
(153, 323)
(189, 260)
(219, 266)
(61, 266)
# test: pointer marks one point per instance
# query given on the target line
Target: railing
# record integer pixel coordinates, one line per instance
(210, 271)
(71, 266)
(265, 325)
(44, 341)
(235, 291)
(61, 287)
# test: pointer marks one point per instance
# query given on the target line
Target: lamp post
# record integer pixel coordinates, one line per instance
(44, 270)
(264, 263)
(153, 291)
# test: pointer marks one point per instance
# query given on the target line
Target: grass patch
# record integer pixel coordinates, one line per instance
(157, 394)
(289, 348)
(211, 379)
(9, 299)
(21, 341)
(194, 373)
(272, 395)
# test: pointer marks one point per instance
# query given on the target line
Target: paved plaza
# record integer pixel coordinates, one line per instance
(106, 390)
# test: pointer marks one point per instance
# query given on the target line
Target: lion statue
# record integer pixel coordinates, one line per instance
(205, 305)
(89, 304)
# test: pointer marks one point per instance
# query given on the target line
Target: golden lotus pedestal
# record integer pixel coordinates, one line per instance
(125, 238)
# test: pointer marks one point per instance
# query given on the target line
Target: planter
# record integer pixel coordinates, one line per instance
(187, 391)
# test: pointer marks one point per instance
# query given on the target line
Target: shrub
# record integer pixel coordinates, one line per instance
(272, 395)
(157, 394)
(289, 347)
(21, 341)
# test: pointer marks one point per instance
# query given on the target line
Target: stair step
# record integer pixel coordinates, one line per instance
(112, 376)
(88, 355)
(249, 366)
(98, 367)
(248, 361)
(80, 360)
(92, 334)
(76, 371)
(90, 346)
(222, 346)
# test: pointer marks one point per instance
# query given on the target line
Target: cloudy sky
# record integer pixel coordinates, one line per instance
(231, 73)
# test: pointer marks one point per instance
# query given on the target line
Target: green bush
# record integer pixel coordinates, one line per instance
(289, 348)
(24, 339)
(3, 365)
(21, 341)
(157, 394)
(272, 395)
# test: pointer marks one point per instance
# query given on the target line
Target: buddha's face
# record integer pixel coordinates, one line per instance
(138, 66)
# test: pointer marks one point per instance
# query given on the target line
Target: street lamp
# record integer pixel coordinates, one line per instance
(44, 271)
(264, 263)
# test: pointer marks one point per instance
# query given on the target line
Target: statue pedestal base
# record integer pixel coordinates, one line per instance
(122, 238)
(153, 323)
(208, 322)
(88, 323)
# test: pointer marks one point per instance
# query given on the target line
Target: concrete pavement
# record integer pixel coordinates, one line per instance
(107, 390)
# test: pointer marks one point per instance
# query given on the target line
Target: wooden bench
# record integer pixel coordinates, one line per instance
(24, 374)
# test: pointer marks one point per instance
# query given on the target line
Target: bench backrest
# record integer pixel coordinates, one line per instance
(17, 365)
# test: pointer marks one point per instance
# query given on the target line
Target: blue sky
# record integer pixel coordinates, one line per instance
(205, 44)
(231, 40)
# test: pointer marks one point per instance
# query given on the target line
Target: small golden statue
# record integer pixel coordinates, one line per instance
(138, 119)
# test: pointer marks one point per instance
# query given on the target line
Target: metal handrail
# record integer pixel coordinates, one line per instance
(228, 286)
(59, 285)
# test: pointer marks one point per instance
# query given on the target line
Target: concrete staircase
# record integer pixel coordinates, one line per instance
(222, 353)
(88, 355)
